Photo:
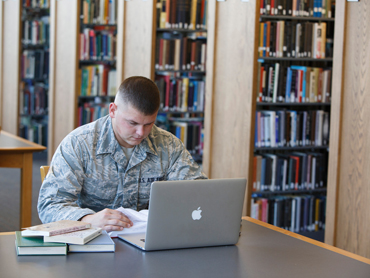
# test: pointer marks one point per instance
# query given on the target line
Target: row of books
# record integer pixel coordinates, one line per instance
(35, 64)
(97, 45)
(34, 131)
(297, 214)
(99, 11)
(36, 31)
(296, 39)
(313, 8)
(292, 171)
(294, 84)
(182, 14)
(60, 237)
(287, 128)
(181, 94)
(89, 112)
(97, 80)
(191, 134)
(180, 54)
(33, 99)
(43, 4)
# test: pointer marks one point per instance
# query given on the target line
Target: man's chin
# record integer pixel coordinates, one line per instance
(134, 142)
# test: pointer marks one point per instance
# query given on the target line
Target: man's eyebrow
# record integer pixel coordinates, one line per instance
(132, 121)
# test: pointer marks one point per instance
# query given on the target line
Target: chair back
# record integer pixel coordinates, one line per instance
(44, 171)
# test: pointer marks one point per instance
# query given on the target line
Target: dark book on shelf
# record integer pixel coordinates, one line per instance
(287, 213)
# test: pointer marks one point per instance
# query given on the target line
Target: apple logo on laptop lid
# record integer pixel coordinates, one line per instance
(196, 215)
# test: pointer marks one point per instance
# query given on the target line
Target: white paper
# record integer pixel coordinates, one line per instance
(138, 218)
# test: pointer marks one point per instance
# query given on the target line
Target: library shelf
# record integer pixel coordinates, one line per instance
(297, 18)
(283, 192)
(293, 104)
(190, 119)
(180, 112)
(263, 59)
(34, 115)
(93, 25)
(297, 148)
(180, 71)
(178, 30)
(94, 62)
(94, 97)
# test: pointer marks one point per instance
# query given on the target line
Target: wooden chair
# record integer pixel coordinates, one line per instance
(44, 171)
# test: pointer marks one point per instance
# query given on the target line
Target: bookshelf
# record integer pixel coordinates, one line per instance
(34, 72)
(133, 57)
(231, 99)
(97, 61)
(16, 80)
(292, 141)
(180, 70)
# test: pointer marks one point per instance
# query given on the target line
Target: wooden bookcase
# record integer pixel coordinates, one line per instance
(34, 76)
(231, 106)
(133, 57)
(180, 70)
(12, 116)
(296, 199)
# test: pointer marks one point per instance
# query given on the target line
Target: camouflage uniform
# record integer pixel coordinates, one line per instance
(89, 171)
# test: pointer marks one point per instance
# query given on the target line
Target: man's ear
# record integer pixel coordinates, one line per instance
(112, 110)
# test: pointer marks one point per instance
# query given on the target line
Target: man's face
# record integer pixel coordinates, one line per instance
(130, 126)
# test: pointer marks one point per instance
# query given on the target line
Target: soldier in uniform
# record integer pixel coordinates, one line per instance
(112, 162)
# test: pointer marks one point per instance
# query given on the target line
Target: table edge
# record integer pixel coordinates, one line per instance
(33, 146)
(309, 240)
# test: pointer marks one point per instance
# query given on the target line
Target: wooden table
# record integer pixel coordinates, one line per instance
(16, 152)
(262, 251)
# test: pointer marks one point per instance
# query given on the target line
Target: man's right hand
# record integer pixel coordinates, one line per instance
(109, 220)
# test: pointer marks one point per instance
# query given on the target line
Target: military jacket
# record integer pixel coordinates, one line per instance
(89, 171)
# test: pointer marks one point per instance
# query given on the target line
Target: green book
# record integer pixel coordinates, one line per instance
(37, 246)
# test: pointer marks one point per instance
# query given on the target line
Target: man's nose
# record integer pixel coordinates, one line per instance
(140, 130)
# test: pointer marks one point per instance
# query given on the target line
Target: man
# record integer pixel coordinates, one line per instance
(112, 162)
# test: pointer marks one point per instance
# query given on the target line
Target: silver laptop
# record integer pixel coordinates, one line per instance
(192, 213)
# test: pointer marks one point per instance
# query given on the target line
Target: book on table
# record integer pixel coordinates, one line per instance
(55, 228)
(102, 243)
(37, 246)
(77, 237)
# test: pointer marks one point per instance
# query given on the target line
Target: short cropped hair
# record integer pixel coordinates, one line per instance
(140, 92)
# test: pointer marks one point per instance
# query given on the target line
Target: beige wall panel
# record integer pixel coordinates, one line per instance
(353, 209)
(353, 220)
(210, 69)
(138, 36)
(335, 122)
(233, 82)
(65, 70)
(1, 61)
(10, 63)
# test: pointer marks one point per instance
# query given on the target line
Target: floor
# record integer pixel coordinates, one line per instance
(10, 194)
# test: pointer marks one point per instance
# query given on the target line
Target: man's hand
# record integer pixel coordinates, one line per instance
(109, 220)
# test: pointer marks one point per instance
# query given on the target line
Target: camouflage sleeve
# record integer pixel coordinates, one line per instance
(183, 166)
(61, 188)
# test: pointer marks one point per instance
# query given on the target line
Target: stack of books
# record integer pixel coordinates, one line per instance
(58, 238)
